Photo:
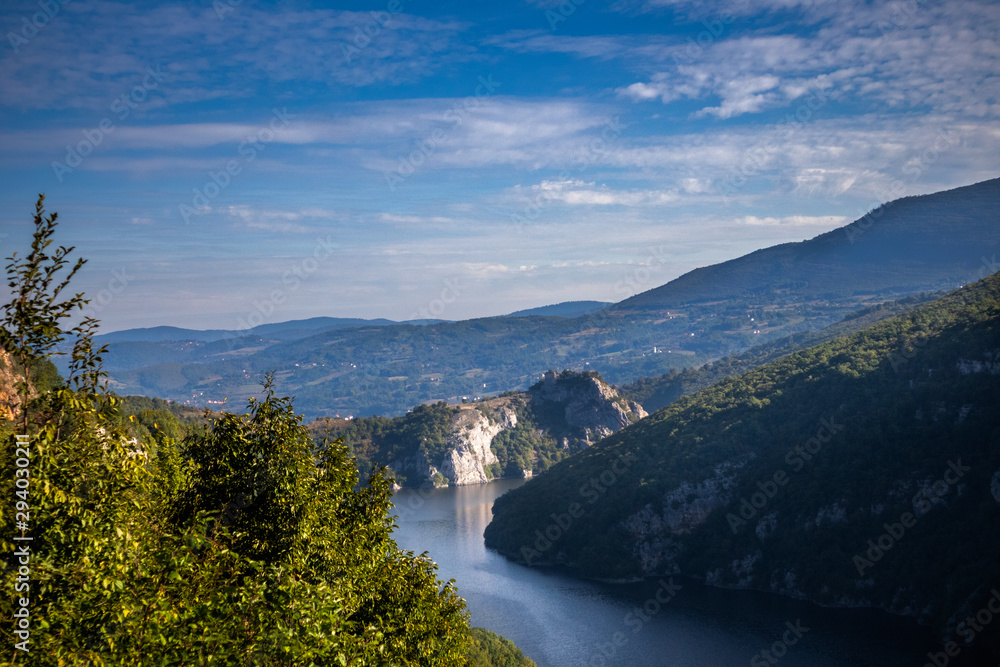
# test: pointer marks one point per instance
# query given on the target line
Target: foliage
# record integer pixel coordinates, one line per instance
(377, 441)
(527, 446)
(235, 545)
(31, 326)
(488, 648)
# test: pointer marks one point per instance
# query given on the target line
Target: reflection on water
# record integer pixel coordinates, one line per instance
(559, 620)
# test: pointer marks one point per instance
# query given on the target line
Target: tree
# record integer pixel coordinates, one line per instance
(31, 326)
(82, 475)
(277, 556)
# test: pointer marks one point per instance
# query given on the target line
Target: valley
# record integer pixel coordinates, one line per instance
(904, 248)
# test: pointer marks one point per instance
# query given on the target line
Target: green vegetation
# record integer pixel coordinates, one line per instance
(423, 437)
(238, 544)
(837, 441)
(533, 443)
(378, 441)
(491, 649)
(654, 393)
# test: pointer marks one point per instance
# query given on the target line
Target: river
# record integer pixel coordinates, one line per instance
(559, 620)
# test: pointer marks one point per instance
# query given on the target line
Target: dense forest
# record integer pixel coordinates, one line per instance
(861, 471)
(148, 539)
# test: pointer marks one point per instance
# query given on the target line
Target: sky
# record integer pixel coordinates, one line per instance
(231, 163)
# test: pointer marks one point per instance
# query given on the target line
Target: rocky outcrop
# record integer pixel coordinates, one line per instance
(589, 405)
(442, 445)
(989, 364)
(10, 398)
(655, 530)
(468, 453)
(471, 437)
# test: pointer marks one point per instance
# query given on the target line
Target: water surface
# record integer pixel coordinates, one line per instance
(559, 620)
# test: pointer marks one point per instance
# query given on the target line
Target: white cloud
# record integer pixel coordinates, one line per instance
(80, 60)
(416, 219)
(579, 193)
(744, 95)
(303, 221)
(825, 221)
(485, 270)
(641, 91)
(898, 55)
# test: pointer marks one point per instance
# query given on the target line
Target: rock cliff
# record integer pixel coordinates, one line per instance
(467, 451)
(514, 435)
(470, 454)
(589, 406)
(10, 399)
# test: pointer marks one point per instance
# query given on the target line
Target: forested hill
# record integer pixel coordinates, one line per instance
(913, 245)
(513, 435)
(926, 242)
(654, 393)
(862, 471)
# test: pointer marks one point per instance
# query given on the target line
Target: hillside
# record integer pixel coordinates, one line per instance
(514, 435)
(704, 315)
(657, 392)
(564, 309)
(864, 471)
(165, 345)
(922, 243)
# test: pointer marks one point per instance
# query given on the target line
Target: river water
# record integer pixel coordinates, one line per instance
(560, 620)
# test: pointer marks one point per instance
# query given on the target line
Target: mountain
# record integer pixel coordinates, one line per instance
(656, 392)
(704, 315)
(514, 435)
(864, 471)
(172, 347)
(291, 330)
(923, 243)
(568, 309)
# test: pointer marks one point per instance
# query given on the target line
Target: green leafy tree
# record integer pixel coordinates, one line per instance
(241, 545)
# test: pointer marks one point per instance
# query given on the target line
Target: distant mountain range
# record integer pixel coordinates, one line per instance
(912, 245)
(291, 330)
(298, 329)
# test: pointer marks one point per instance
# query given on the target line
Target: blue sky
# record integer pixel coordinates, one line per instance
(232, 163)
